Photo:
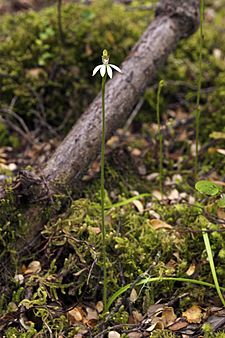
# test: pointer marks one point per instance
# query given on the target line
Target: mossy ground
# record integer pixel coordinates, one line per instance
(49, 79)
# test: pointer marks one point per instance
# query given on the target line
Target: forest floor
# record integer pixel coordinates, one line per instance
(159, 277)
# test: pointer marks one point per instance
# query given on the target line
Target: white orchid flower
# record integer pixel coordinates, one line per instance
(106, 66)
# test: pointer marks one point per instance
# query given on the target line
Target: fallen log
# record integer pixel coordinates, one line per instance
(174, 20)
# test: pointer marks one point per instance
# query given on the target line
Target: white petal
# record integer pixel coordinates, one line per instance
(109, 71)
(96, 70)
(116, 68)
(103, 70)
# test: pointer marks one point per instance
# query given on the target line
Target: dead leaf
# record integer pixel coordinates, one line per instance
(191, 270)
(137, 316)
(113, 334)
(158, 224)
(152, 177)
(157, 194)
(99, 306)
(75, 315)
(136, 152)
(142, 170)
(139, 206)
(158, 325)
(173, 195)
(221, 151)
(133, 296)
(193, 314)
(220, 213)
(113, 142)
(33, 267)
(168, 316)
(178, 325)
(135, 335)
(34, 72)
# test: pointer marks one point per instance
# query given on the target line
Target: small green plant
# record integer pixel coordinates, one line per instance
(105, 68)
(207, 188)
(148, 280)
(161, 84)
(210, 189)
(198, 111)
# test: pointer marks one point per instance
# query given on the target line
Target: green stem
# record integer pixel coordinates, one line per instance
(212, 266)
(161, 83)
(198, 110)
(103, 195)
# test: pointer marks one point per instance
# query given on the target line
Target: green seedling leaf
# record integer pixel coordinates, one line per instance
(207, 188)
(216, 135)
(127, 201)
(221, 202)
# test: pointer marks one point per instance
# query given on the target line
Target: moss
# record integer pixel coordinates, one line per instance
(8, 139)
(162, 334)
(51, 80)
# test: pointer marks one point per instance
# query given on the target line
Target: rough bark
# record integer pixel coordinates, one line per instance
(175, 19)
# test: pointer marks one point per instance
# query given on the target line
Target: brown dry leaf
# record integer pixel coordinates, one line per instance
(113, 334)
(75, 315)
(191, 270)
(133, 296)
(113, 142)
(99, 306)
(221, 151)
(168, 316)
(171, 266)
(155, 310)
(178, 325)
(139, 206)
(158, 224)
(136, 152)
(33, 267)
(193, 314)
(220, 213)
(157, 194)
(135, 335)
(137, 316)
(173, 195)
(158, 325)
(91, 313)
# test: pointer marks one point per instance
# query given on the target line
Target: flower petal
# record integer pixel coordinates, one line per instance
(109, 71)
(96, 70)
(116, 68)
(103, 70)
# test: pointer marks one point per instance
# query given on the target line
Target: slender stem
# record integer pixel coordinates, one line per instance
(103, 195)
(198, 109)
(212, 266)
(161, 83)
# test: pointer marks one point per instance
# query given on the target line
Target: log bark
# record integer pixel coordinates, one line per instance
(175, 19)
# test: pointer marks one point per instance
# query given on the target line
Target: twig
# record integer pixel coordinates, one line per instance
(134, 113)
